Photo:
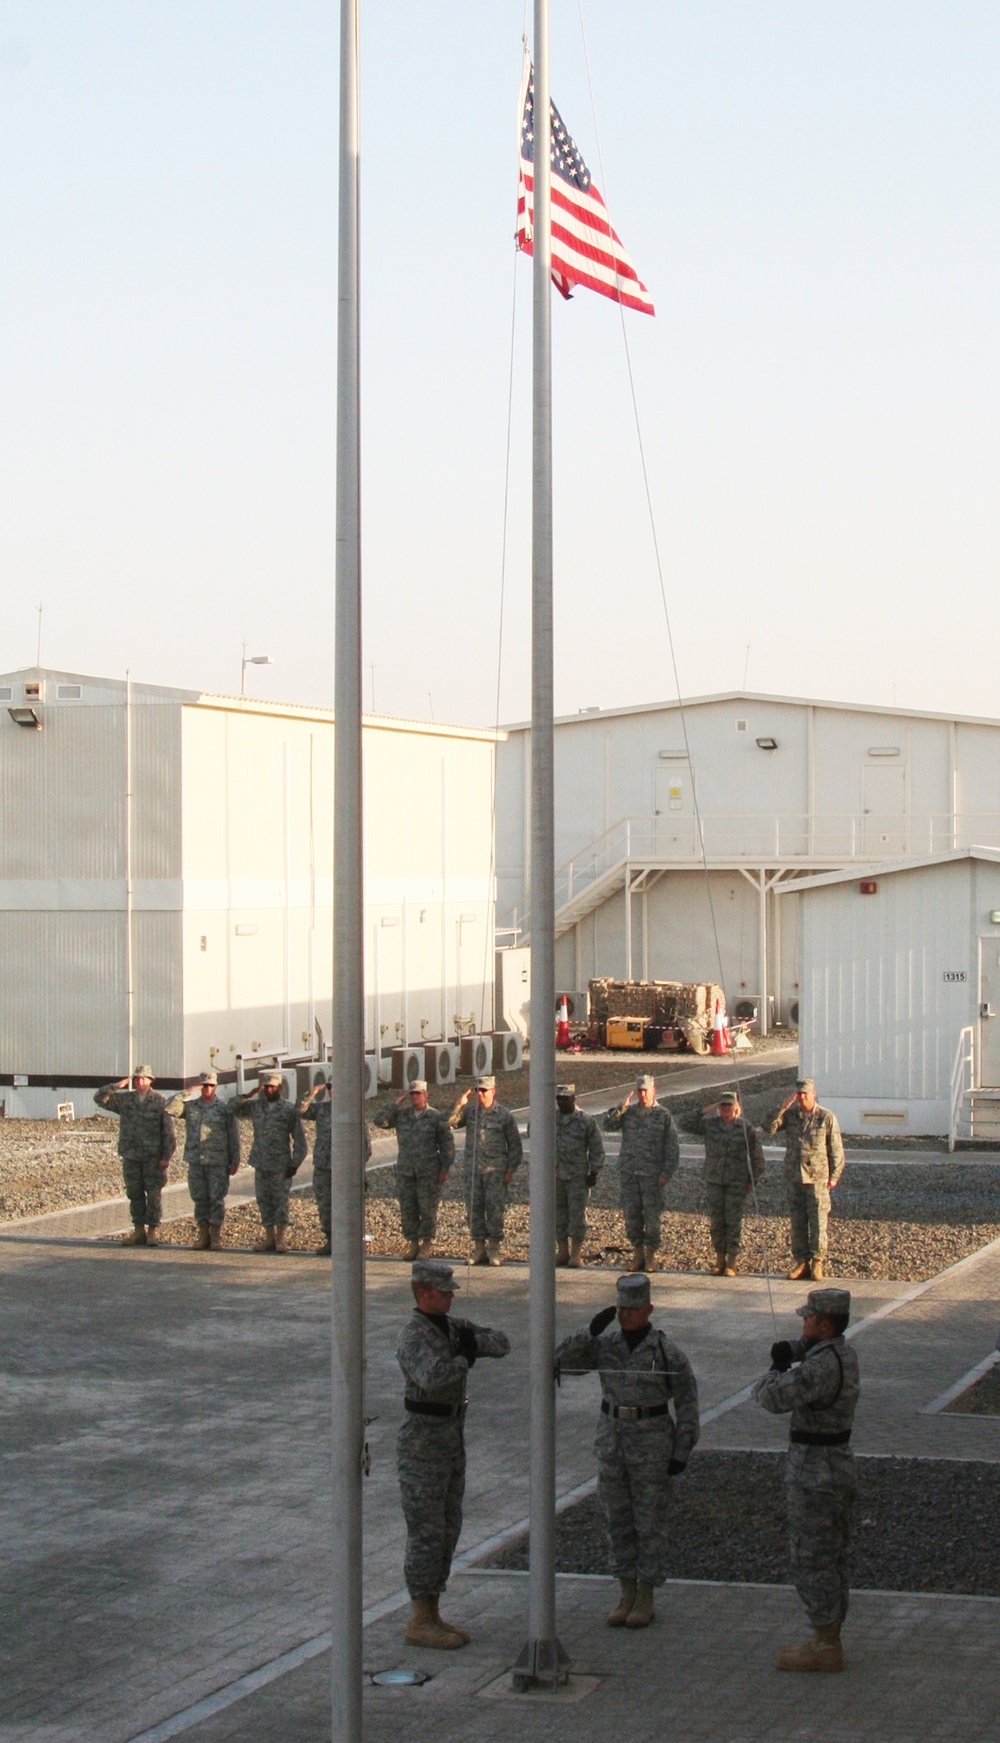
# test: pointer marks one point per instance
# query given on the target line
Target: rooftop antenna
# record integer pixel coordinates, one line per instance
(746, 666)
(38, 649)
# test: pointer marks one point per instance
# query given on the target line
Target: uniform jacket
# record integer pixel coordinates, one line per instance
(145, 1131)
(655, 1372)
(492, 1139)
(814, 1149)
(730, 1148)
(322, 1113)
(211, 1135)
(279, 1141)
(426, 1140)
(821, 1392)
(427, 1352)
(649, 1139)
(579, 1146)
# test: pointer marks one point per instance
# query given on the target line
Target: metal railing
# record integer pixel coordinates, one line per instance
(963, 1079)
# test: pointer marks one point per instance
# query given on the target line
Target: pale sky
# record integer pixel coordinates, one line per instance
(811, 194)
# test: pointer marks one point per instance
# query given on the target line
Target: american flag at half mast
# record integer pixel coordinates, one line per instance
(585, 249)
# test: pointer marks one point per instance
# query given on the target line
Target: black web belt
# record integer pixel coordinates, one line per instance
(448, 1411)
(805, 1437)
(634, 1412)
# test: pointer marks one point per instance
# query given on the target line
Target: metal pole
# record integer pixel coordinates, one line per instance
(129, 957)
(542, 1658)
(347, 1063)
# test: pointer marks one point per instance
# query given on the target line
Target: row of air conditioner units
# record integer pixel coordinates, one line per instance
(444, 1061)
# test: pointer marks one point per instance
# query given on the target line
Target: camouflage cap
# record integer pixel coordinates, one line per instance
(805, 1083)
(143, 1071)
(729, 1099)
(209, 1077)
(645, 1081)
(828, 1303)
(564, 1089)
(418, 1086)
(633, 1290)
(434, 1274)
(273, 1077)
(486, 1082)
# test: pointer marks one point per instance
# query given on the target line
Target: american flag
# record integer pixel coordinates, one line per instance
(585, 249)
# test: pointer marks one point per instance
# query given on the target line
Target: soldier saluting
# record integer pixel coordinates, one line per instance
(579, 1160)
(493, 1150)
(145, 1144)
(212, 1154)
(426, 1153)
(734, 1163)
(649, 1156)
(814, 1162)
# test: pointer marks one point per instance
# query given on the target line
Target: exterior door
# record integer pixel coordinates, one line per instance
(674, 807)
(883, 802)
(989, 1002)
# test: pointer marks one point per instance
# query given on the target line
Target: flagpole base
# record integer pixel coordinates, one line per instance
(540, 1664)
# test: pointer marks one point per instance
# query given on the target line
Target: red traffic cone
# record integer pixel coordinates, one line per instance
(720, 1040)
(562, 1023)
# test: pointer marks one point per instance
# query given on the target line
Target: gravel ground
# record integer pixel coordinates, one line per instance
(982, 1399)
(922, 1525)
(45, 1165)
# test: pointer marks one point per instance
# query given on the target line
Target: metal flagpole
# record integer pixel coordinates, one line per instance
(542, 1659)
(347, 1063)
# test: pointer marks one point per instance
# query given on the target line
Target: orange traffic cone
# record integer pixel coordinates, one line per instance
(562, 1023)
(721, 1039)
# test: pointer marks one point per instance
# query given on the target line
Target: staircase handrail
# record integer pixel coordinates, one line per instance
(962, 1080)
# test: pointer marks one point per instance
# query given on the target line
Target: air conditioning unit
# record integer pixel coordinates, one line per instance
(384, 1063)
(407, 1066)
(476, 1055)
(577, 1004)
(371, 1076)
(508, 1048)
(440, 1061)
(317, 1074)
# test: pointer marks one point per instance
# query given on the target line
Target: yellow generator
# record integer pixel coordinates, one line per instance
(625, 1032)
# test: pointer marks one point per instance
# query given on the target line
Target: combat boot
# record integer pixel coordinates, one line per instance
(325, 1248)
(822, 1652)
(623, 1609)
(638, 1260)
(479, 1253)
(412, 1250)
(816, 1270)
(422, 1630)
(729, 1268)
(719, 1268)
(280, 1244)
(799, 1269)
(425, 1248)
(201, 1240)
(562, 1252)
(137, 1238)
(652, 1262)
(642, 1612)
(463, 1633)
(153, 1236)
(493, 1252)
(215, 1237)
(266, 1242)
(576, 1255)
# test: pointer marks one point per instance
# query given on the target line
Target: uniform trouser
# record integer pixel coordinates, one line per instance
(571, 1209)
(809, 1207)
(642, 1202)
(208, 1183)
(633, 1489)
(272, 1188)
(485, 1203)
(819, 1529)
(322, 1188)
(430, 1457)
(144, 1187)
(726, 1205)
(419, 1196)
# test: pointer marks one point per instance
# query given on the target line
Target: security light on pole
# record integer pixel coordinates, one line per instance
(251, 660)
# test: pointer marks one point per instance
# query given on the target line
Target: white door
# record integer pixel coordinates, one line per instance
(674, 807)
(989, 1013)
(883, 802)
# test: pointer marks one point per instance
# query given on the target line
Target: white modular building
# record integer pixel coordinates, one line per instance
(677, 827)
(166, 882)
(900, 1014)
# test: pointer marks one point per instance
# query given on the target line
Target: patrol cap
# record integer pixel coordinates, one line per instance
(633, 1290)
(434, 1274)
(805, 1083)
(418, 1086)
(729, 1099)
(209, 1077)
(565, 1089)
(828, 1303)
(486, 1083)
(273, 1077)
(645, 1081)
(144, 1071)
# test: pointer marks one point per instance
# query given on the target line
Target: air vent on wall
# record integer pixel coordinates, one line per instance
(741, 726)
(68, 692)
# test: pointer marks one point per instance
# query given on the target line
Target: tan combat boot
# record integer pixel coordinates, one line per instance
(562, 1252)
(719, 1268)
(799, 1269)
(638, 1260)
(153, 1236)
(412, 1250)
(137, 1238)
(623, 1609)
(822, 1652)
(325, 1248)
(652, 1262)
(201, 1238)
(422, 1630)
(816, 1270)
(479, 1253)
(452, 1627)
(576, 1255)
(642, 1612)
(493, 1252)
(729, 1268)
(426, 1248)
(280, 1242)
(215, 1237)
(266, 1242)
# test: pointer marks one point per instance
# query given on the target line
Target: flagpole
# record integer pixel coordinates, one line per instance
(542, 1659)
(347, 1062)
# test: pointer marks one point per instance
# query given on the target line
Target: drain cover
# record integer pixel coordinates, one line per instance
(395, 1679)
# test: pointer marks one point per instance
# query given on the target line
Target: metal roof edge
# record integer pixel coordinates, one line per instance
(886, 868)
(673, 706)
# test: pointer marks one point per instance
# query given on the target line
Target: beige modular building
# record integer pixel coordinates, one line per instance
(166, 882)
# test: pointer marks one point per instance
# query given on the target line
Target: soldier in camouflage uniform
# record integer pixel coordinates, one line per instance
(493, 1150)
(816, 1379)
(734, 1164)
(649, 1156)
(317, 1106)
(212, 1154)
(579, 1160)
(435, 1353)
(814, 1162)
(145, 1144)
(639, 1445)
(279, 1148)
(426, 1153)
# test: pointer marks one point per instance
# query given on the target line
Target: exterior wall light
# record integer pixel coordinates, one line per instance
(25, 717)
(766, 743)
